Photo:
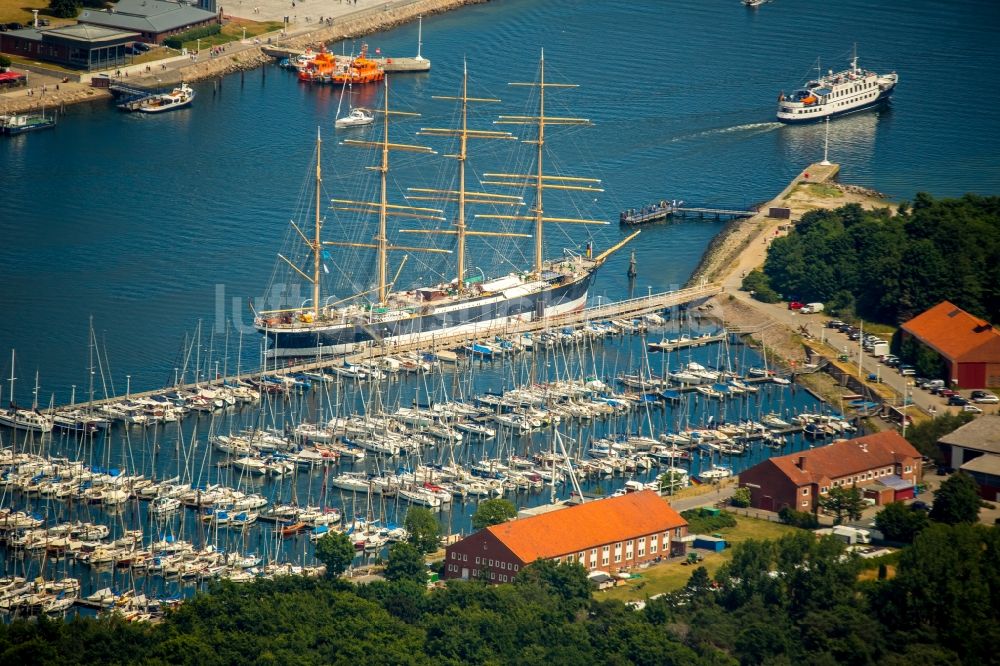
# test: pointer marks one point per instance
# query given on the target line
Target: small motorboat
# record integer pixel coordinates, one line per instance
(175, 99)
(358, 117)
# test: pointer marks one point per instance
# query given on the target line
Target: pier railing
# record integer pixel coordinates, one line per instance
(630, 308)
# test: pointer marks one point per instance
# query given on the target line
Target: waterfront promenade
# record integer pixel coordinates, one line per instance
(341, 20)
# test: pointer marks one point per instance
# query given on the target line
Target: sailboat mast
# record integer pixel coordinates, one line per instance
(381, 240)
(317, 243)
(461, 177)
(11, 380)
(539, 221)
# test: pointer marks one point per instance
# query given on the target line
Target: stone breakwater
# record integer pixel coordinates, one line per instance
(241, 58)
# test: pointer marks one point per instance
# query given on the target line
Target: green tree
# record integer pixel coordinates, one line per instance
(843, 503)
(924, 436)
(406, 562)
(566, 579)
(423, 528)
(4, 62)
(336, 551)
(757, 284)
(65, 8)
(957, 500)
(803, 519)
(899, 522)
(493, 512)
(741, 497)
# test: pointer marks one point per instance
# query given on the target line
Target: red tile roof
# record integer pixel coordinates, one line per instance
(846, 457)
(587, 525)
(955, 333)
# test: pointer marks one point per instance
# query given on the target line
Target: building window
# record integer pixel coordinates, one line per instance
(477, 559)
(907, 469)
(805, 502)
(465, 558)
(805, 491)
(604, 560)
(824, 490)
(606, 549)
(454, 555)
(515, 567)
(618, 556)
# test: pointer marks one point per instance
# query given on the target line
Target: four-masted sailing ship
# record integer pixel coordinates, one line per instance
(465, 305)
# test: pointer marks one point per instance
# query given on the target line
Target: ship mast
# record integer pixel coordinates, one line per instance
(315, 244)
(461, 195)
(539, 180)
(382, 207)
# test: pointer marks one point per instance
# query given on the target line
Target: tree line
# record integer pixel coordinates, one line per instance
(889, 267)
(796, 600)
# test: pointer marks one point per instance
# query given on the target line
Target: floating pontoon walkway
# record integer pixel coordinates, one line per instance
(628, 309)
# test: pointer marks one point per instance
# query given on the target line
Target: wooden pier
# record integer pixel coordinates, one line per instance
(665, 210)
(627, 309)
(716, 213)
(684, 342)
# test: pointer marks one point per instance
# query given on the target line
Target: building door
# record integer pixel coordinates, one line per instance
(465, 573)
(767, 503)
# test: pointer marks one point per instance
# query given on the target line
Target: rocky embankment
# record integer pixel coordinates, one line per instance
(241, 58)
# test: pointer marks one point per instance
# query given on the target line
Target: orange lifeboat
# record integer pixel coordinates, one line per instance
(320, 68)
(361, 70)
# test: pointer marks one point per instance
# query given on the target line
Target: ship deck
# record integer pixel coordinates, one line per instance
(634, 307)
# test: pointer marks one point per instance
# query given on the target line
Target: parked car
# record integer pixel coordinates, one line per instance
(891, 360)
(919, 506)
(957, 401)
(934, 385)
(972, 409)
(795, 305)
(907, 370)
(835, 323)
(946, 392)
(985, 398)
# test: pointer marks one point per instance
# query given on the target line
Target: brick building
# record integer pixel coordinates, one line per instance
(615, 533)
(884, 466)
(969, 346)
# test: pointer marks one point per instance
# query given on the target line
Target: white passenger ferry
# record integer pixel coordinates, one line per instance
(836, 94)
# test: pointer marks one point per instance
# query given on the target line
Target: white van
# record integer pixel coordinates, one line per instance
(811, 308)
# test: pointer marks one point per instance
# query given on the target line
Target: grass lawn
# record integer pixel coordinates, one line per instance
(20, 10)
(816, 190)
(671, 576)
(232, 31)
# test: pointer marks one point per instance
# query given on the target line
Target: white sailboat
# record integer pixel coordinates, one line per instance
(356, 115)
(24, 419)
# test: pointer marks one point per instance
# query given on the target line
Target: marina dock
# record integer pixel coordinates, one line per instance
(630, 308)
(665, 210)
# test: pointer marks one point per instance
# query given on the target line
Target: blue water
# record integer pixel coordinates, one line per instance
(152, 224)
(141, 222)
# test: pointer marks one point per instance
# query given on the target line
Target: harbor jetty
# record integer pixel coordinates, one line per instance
(344, 22)
(627, 309)
(670, 210)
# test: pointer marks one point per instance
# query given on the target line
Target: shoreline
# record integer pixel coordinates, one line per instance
(55, 94)
(788, 341)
